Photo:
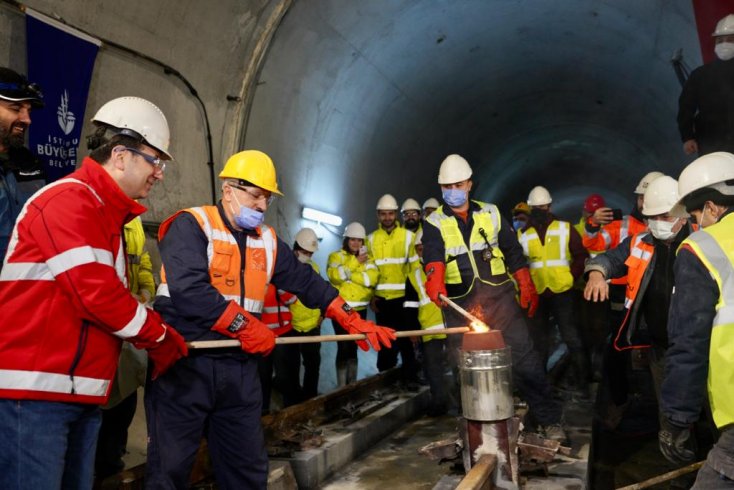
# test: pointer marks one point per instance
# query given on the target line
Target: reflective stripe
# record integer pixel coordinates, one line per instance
(370, 266)
(366, 279)
(356, 304)
(411, 304)
(25, 271)
(75, 257)
(395, 287)
(719, 261)
(276, 309)
(398, 261)
(436, 327)
(624, 229)
(12, 379)
(342, 273)
(135, 324)
(607, 238)
(163, 290)
(250, 304)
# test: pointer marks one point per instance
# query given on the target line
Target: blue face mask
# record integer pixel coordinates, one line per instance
(454, 197)
(518, 224)
(248, 219)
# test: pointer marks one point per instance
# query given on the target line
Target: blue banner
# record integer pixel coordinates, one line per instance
(60, 60)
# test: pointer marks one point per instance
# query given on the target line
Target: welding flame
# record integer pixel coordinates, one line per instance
(479, 327)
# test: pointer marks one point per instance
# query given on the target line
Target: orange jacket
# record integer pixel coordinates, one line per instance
(611, 235)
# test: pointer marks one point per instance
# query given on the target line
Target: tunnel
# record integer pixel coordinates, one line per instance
(355, 100)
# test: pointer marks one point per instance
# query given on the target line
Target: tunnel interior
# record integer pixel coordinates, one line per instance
(362, 99)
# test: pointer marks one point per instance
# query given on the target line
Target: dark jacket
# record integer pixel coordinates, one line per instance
(706, 107)
(649, 312)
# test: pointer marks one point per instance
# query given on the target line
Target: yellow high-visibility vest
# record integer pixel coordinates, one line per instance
(394, 255)
(550, 262)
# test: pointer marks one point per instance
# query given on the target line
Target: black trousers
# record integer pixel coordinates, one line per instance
(287, 363)
(390, 314)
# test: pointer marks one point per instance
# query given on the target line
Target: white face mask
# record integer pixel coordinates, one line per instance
(304, 259)
(724, 51)
(662, 230)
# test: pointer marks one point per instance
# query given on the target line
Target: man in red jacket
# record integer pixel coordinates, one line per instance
(66, 307)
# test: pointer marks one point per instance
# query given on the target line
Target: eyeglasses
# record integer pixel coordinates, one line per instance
(413, 214)
(255, 196)
(155, 161)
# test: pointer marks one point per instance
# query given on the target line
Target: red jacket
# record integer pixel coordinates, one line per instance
(64, 300)
(276, 314)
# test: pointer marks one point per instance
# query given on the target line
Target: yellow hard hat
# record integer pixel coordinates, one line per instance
(252, 166)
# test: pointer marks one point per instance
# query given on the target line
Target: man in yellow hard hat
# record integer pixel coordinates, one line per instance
(218, 261)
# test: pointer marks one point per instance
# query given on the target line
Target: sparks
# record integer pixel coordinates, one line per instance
(479, 327)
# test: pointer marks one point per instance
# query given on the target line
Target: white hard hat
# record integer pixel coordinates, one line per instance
(431, 202)
(419, 237)
(387, 203)
(645, 181)
(454, 168)
(725, 26)
(355, 230)
(139, 118)
(660, 197)
(306, 239)
(539, 196)
(711, 170)
(410, 204)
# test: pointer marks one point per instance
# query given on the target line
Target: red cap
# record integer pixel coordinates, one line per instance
(594, 202)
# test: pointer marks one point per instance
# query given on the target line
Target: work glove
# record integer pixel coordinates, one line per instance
(169, 350)
(255, 337)
(528, 294)
(435, 285)
(350, 321)
(676, 442)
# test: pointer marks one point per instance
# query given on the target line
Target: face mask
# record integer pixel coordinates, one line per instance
(662, 230)
(247, 218)
(518, 224)
(303, 259)
(454, 197)
(539, 214)
(724, 51)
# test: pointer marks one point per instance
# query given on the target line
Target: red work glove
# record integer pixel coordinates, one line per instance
(255, 337)
(435, 285)
(350, 321)
(169, 350)
(528, 294)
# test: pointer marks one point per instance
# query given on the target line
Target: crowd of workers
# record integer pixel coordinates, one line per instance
(76, 282)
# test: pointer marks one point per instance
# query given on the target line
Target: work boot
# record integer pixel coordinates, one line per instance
(554, 432)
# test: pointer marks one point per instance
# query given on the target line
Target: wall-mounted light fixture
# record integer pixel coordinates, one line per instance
(321, 217)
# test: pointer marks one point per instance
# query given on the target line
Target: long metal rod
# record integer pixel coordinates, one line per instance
(461, 310)
(215, 344)
(664, 477)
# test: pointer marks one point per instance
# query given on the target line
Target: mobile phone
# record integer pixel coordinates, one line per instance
(362, 250)
(616, 214)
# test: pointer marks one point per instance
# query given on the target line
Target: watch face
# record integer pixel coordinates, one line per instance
(238, 323)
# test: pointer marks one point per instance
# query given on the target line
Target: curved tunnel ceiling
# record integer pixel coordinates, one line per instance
(357, 99)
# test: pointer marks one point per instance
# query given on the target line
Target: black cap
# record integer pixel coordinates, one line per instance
(15, 87)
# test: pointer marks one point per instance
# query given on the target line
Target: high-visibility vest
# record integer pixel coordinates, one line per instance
(459, 256)
(394, 255)
(714, 246)
(429, 315)
(549, 261)
(611, 235)
(581, 228)
(356, 281)
(305, 319)
(139, 267)
(276, 313)
(224, 260)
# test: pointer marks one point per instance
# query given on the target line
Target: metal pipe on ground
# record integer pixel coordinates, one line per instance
(664, 477)
(217, 344)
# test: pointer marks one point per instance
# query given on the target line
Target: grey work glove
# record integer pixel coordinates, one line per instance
(676, 443)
